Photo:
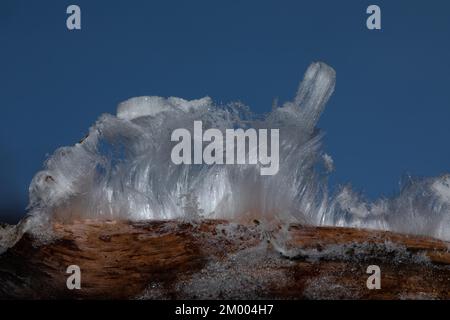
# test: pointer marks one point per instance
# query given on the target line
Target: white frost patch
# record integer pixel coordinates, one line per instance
(150, 106)
(237, 276)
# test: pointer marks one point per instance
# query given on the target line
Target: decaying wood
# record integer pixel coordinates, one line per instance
(217, 259)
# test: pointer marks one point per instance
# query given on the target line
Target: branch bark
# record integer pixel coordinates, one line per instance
(218, 259)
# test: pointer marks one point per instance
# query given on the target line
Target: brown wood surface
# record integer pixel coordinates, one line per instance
(216, 259)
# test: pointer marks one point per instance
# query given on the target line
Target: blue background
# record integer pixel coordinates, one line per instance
(389, 115)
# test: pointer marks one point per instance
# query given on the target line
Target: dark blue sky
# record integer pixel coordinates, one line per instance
(390, 113)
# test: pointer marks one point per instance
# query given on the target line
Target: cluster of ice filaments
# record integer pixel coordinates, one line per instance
(122, 169)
